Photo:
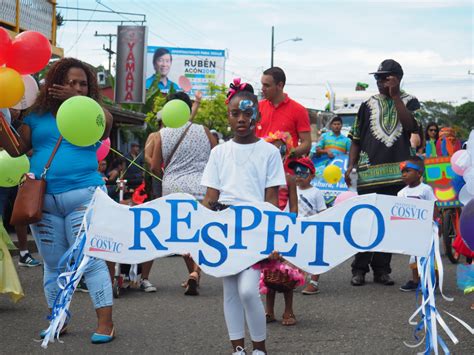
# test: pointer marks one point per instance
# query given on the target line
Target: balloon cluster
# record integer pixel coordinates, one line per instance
(462, 162)
(27, 53)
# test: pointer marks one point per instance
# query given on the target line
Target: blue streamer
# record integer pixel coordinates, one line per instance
(430, 317)
(74, 263)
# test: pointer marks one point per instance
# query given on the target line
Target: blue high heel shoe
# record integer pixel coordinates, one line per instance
(97, 338)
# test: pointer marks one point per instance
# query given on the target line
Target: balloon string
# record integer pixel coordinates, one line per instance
(132, 162)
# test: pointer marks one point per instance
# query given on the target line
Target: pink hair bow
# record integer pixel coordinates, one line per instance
(235, 87)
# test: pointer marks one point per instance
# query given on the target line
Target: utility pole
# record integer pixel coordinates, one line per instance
(108, 50)
(273, 46)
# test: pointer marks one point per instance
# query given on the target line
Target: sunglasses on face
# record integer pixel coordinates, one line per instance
(433, 130)
(283, 150)
(381, 77)
(302, 172)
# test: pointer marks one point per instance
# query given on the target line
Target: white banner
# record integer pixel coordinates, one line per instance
(227, 242)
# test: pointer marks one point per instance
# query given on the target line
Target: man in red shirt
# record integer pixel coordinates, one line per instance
(280, 113)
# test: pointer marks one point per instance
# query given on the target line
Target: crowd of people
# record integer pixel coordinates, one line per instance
(267, 159)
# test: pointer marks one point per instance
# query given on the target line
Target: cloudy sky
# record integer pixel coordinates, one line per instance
(342, 40)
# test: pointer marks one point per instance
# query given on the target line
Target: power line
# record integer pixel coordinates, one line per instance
(174, 44)
(82, 32)
(170, 20)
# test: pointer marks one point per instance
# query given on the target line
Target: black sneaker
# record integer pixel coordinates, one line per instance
(28, 261)
(384, 279)
(409, 286)
(358, 280)
(82, 287)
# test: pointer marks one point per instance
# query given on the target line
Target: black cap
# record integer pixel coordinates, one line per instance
(389, 66)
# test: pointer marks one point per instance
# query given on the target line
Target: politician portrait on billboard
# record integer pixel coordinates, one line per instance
(162, 61)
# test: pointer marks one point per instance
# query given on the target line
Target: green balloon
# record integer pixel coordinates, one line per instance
(12, 169)
(81, 121)
(175, 113)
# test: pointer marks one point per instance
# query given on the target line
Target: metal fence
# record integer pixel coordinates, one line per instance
(33, 15)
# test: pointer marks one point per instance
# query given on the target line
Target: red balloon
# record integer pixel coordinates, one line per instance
(5, 45)
(30, 52)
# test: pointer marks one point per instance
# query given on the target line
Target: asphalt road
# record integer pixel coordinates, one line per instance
(341, 319)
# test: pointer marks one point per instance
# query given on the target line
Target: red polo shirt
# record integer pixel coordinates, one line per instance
(289, 116)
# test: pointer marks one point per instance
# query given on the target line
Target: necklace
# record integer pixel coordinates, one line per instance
(248, 156)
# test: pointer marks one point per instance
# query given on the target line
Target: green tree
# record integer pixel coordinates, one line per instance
(213, 111)
(465, 114)
(442, 113)
(461, 118)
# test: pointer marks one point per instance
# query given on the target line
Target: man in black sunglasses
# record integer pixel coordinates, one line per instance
(380, 135)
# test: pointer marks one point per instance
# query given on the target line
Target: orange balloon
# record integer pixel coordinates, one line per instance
(12, 87)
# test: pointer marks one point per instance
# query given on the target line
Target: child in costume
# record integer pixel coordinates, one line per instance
(283, 141)
(245, 169)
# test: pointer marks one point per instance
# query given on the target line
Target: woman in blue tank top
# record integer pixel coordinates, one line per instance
(71, 182)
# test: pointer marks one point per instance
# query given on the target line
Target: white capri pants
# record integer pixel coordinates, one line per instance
(242, 302)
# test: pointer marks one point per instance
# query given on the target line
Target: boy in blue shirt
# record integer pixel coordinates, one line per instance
(333, 143)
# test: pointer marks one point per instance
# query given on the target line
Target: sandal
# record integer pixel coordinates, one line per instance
(312, 288)
(192, 284)
(270, 318)
(290, 320)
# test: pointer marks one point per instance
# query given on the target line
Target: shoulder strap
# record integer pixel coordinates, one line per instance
(48, 164)
(177, 145)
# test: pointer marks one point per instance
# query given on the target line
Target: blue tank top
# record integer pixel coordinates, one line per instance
(73, 167)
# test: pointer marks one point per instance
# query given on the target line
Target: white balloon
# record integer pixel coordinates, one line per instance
(468, 177)
(31, 91)
(464, 159)
(464, 195)
(6, 114)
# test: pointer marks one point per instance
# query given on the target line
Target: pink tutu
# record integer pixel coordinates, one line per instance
(273, 265)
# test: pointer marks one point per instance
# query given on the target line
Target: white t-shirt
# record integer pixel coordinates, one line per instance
(310, 201)
(421, 192)
(242, 172)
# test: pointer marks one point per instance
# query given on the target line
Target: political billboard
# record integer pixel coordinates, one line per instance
(184, 69)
